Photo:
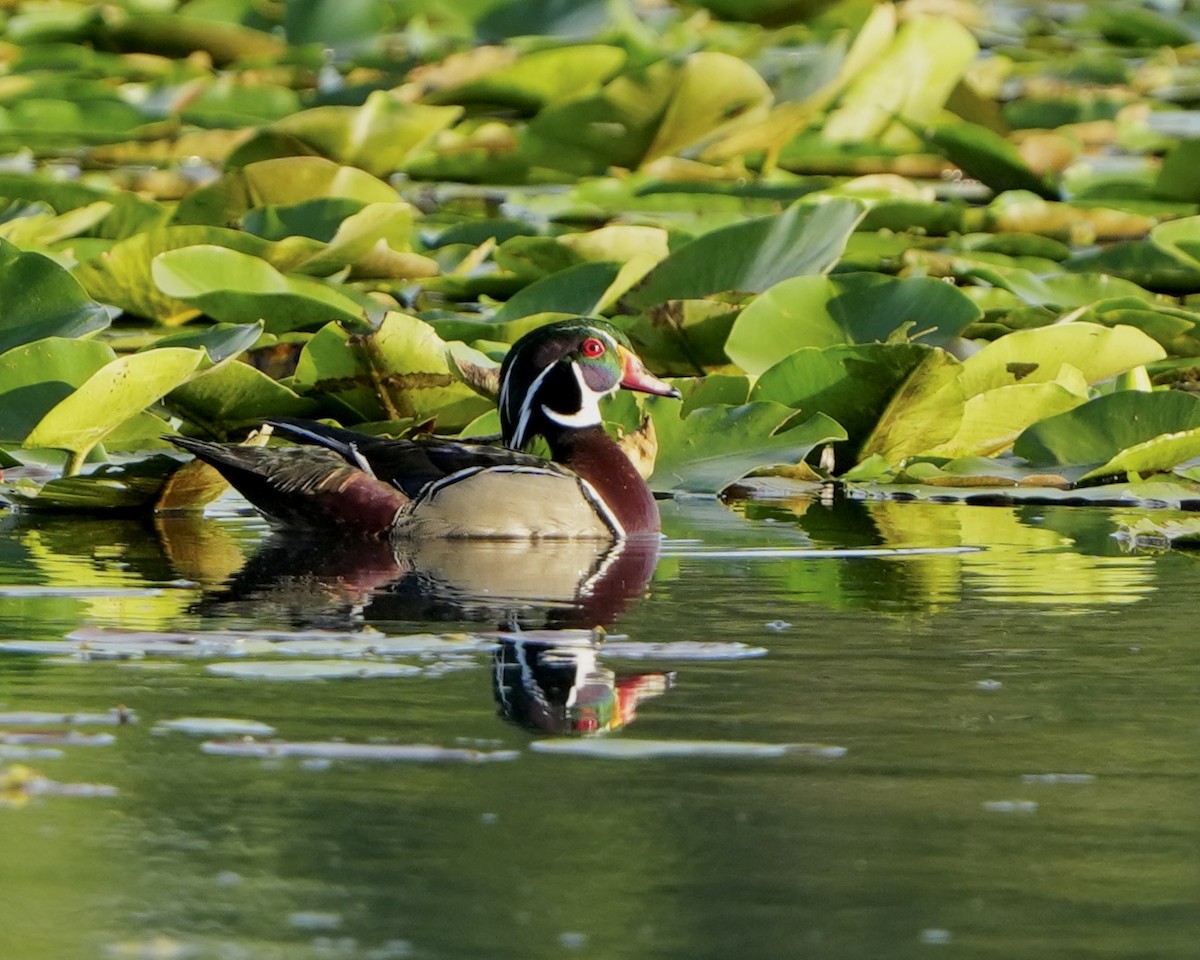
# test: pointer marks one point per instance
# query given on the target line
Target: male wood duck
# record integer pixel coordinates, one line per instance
(551, 385)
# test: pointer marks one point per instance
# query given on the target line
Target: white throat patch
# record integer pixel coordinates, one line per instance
(588, 414)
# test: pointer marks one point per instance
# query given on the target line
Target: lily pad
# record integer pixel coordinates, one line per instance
(753, 256)
(35, 377)
(713, 447)
(401, 370)
(1103, 428)
(238, 288)
(118, 391)
(41, 299)
(847, 308)
(850, 383)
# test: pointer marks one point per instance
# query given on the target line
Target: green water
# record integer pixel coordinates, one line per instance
(1020, 724)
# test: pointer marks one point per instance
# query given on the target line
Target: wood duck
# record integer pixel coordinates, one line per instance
(551, 385)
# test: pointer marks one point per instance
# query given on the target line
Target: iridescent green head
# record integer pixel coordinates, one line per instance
(554, 378)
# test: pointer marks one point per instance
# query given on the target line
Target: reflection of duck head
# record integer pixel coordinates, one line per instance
(550, 685)
(579, 583)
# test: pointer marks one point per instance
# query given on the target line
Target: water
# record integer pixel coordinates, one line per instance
(988, 750)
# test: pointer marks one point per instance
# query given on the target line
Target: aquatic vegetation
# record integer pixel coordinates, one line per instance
(215, 217)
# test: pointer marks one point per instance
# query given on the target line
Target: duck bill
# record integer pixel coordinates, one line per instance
(636, 377)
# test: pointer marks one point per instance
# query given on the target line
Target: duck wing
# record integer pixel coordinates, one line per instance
(408, 465)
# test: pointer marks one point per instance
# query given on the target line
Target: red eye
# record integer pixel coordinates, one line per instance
(591, 347)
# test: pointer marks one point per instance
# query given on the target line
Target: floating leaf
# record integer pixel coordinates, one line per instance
(538, 78)
(118, 391)
(1036, 356)
(852, 383)
(713, 447)
(238, 288)
(125, 487)
(41, 299)
(846, 308)
(378, 136)
(714, 92)
(579, 290)
(1100, 430)
(753, 256)
(121, 276)
(233, 395)
(279, 182)
(399, 371)
(910, 81)
(987, 156)
(35, 377)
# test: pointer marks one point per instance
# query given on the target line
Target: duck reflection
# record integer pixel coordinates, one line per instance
(326, 581)
(550, 684)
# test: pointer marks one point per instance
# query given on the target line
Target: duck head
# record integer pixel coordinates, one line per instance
(554, 378)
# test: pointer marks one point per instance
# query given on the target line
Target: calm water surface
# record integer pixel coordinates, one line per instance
(989, 752)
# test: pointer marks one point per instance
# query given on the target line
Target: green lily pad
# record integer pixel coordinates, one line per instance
(713, 447)
(911, 82)
(237, 288)
(178, 35)
(537, 78)
(122, 275)
(1036, 356)
(846, 308)
(279, 182)
(234, 395)
(35, 377)
(753, 256)
(399, 371)
(41, 299)
(714, 92)
(926, 411)
(1097, 432)
(850, 383)
(987, 156)
(131, 487)
(378, 136)
(579, 290)
(118, 391)
(222, 341)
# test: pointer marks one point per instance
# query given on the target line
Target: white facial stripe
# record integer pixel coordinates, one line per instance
(519, 438)
(589, 410)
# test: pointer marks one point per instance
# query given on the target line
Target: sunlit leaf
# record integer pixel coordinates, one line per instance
(911, 80)
(985, 155)
(237, 288)
(1037, 356)
(35, 377)
(714, 92)
(1100, 430)
(399, 371)
(712, 447)
(279, 182)
(121, 389)
(122, 275)
(234, 395)
(753, 256)
(537, 78)
(378, 136)
(850, 383)
(815, 311)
